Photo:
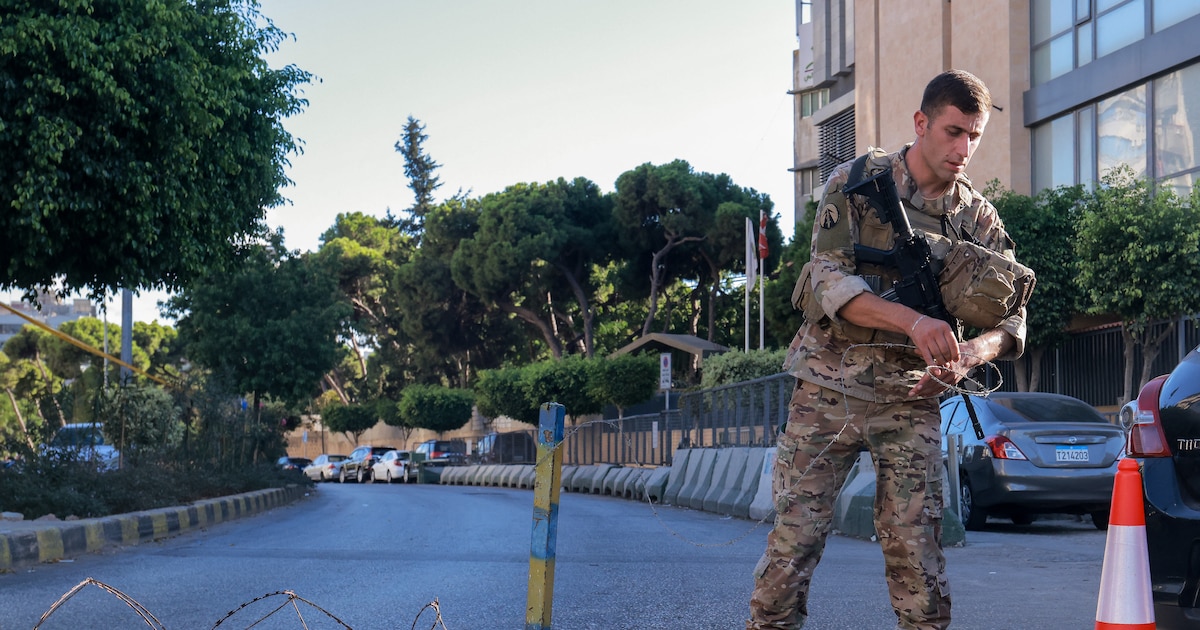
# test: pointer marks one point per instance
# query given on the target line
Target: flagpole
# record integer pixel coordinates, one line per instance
(751, 258)
(762, 281)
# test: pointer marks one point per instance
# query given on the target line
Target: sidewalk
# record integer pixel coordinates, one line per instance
(26, 543)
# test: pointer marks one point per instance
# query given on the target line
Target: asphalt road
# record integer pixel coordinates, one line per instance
(376, 556)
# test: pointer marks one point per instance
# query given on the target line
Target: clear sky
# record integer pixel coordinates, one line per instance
(528, 91)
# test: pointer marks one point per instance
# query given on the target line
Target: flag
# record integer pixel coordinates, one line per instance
(762, 234)
(751, 259)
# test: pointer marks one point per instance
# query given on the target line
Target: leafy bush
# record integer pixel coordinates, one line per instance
(39, 487)
(436, 408)
(736, 367)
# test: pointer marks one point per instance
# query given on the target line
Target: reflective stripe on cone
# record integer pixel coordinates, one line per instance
(1125, 601)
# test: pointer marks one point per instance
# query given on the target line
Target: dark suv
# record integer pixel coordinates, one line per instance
(1164, 436)
(443, 451)
(358, 465)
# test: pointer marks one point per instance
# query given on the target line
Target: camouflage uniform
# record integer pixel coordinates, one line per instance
(850, 398)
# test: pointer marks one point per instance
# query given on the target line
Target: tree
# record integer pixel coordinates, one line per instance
(352, 420)
(142, 141)
(782, 319)
(271, 326)
(658, 209)
(438, 409)
(502, 392)
(420, 170)
(624, 380)
(564, 381)
(533, 242)
(1138, 257)
(1043, 228)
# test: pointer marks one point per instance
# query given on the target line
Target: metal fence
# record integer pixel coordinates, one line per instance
(1089, 366)
(741, 414)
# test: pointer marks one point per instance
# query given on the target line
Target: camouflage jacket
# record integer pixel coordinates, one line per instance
(827, 350)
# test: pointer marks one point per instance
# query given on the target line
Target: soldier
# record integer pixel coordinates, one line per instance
(866, 368)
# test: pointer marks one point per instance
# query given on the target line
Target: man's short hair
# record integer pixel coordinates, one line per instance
(958, 88)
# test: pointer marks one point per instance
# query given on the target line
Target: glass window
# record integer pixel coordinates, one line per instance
(1083, 47)
(1085, 171)
(1050, 17)
(1120, 27)
(1104, 5)
(1121, 131)
(1171, 12)
(1054, 59)
(1176, 121)
(1054, 153)
(1182, 184)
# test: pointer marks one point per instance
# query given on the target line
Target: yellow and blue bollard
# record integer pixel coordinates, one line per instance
(546, 488)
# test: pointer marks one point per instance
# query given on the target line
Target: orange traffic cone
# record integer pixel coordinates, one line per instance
(1125, 601)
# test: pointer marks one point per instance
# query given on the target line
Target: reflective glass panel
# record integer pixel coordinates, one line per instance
(1083, 36)
(1053, 60)
(1085, 171)
(1120, 28)
(1171, 12)
(1054, 153)
(1121, 131)
(1176, 121)
(1182, 185)
(1050, 17)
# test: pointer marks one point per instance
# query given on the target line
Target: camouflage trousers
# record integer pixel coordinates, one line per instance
(816, 452)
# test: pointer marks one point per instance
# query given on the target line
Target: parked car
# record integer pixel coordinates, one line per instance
(443, 451)
(358, 465)
(1041, 453)
(293, 463)
(83, 442)
(1164, 437)
(518, 447)
(325, 467)
(394, 465)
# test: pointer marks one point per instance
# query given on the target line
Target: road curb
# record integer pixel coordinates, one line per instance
(53, 541)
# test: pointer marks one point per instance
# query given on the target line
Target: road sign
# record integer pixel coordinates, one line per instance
(664, 370)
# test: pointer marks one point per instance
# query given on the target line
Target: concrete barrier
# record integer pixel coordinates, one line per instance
(741, 490)
(602, 471)
(762, 504)
(615, 479)
(28, 543)
(677, 474)
(727, 476)
(527, 477)
(653, 484)
(698, 479)
(568, 473)
(854, 509)
(582, 481)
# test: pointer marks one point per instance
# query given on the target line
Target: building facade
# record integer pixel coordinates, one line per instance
(1079, 86)
(54, 313)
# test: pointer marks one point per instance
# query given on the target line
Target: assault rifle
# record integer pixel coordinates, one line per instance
(918, 286)
(910, 255)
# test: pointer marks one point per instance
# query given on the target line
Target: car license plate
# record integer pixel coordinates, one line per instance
(1071, 454)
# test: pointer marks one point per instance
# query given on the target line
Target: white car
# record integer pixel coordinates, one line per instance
(84, 442)
(394, 465)
(326, 467)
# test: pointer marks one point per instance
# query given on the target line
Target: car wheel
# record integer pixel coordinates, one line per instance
(389, 477)
(404, 477)
(974, 517)
(342, 476)
(361, 476)
(1100, 519)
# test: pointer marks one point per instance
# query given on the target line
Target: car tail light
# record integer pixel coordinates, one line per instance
(1146, 437)
(1003, 448)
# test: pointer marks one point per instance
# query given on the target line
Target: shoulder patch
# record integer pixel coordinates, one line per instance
(830, 215)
